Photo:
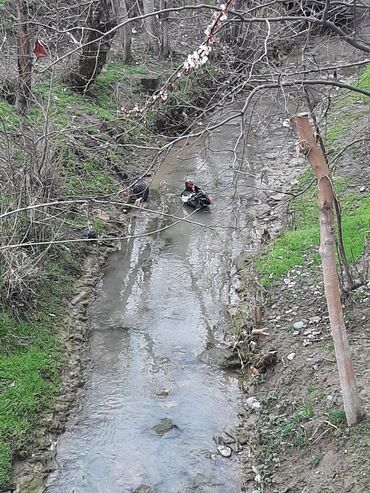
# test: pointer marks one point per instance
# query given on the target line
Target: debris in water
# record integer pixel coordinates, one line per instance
(169, 404)
(164, 393)
(143, 488)
(224, 450)
(291, 356)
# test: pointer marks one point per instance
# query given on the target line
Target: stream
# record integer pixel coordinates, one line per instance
(162, 302)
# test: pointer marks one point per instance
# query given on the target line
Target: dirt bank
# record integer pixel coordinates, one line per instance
(295, 439)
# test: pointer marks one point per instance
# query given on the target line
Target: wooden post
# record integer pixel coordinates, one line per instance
(24, 58)
(312, 151)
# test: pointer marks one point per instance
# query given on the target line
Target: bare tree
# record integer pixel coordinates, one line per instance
(96, 45)
(24, 58)
(150, 26)
(311, 149)
(164, 48)
(121, 10)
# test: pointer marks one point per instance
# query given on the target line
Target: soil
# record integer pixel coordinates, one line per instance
(298, 441)
(318, 453)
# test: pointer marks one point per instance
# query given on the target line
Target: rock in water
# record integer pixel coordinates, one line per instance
(143, 488)
(224, 451)
(164, 426)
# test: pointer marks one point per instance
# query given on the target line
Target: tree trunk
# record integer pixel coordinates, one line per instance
(121, 11)
(164, 47)
(311, 149)
(24, 59)
(348, 279)
(95, 48)
(149, 24)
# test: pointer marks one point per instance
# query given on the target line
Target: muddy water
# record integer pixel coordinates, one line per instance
(161, 303)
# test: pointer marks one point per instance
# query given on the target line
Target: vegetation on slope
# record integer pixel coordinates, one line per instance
(302, 238)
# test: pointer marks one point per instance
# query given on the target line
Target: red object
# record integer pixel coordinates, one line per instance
(39, 49)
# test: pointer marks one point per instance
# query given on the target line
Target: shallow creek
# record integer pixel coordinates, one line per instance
(161, 303)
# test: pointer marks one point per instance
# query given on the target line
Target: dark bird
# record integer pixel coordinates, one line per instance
(89, 233)
(139, 191)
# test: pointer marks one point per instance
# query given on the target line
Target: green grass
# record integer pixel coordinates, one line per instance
(86, 181)
(362, 83)
(8, 116)
(65, 103)
(316, 459)
(337, 416)
(291, 247)
(347, 111)
(30, 362)
(31, 356)
(282, 429)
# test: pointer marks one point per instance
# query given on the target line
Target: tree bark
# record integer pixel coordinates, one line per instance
(164, 47)
(150, 26)
(121, 11)
(95, 48)
(24, 59)
(311, 149)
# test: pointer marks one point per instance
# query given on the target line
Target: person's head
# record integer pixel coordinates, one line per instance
(189, 184)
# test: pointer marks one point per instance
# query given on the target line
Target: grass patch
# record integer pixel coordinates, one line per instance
(347, 110)
(291, 247)
(280, 429)
(8, 116)
(64, 103)
(362, 83)
(337, 416)
(30, 362)
(316, 459)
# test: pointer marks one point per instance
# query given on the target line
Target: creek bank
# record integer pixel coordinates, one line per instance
(296, 438)
(73, 337)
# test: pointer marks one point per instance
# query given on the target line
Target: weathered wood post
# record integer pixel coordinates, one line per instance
(312, 151)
